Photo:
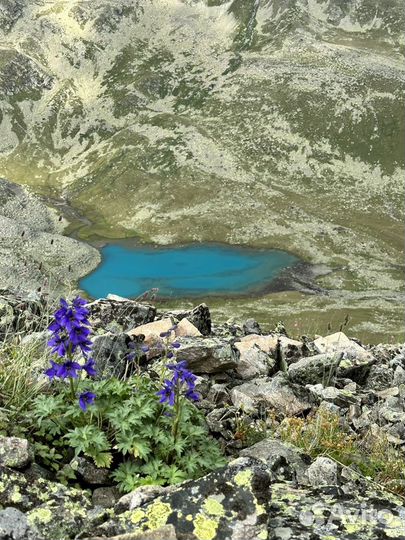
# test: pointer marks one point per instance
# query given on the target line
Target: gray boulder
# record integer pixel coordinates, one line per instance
(277, 393)
(208, 355)
(286, 461)
(323, 472)
(251, 326)
(15, 452)
(126, 313)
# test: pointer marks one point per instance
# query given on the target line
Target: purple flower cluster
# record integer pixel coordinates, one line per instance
(182, 377)
(70, 332)
(70, 329)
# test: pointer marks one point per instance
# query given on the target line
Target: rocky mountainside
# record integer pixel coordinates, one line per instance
(275, 123)
(256, 389)
(34, 253)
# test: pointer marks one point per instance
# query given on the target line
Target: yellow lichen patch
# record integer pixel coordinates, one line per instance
(260, 509)
(396, 527)
(262, 535)
(354, 527)
(243, 478)
(213, 507)
(205, 528)
(16, 495)
(189, 517)
(137, 515)
(40, 516)
(157, 515)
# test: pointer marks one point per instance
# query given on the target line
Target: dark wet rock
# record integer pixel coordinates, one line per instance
(199, 316)
(13, 524)
(208, 355)
(380, 377)
(88, 472)
(127, 313)
(285, 461)
(251, 326)
(15, 453)
(106, 497)
(277, 393)
(228, 504)
(112, 355)
(222, 421)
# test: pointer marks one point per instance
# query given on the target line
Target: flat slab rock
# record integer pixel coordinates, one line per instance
(208, 355)
(277, 393)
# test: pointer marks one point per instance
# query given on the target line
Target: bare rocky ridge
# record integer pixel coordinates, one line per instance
(33, 251)
(270, 489)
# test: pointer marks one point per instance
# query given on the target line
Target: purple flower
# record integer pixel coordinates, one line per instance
(176, 345)
(170, 354)
(69, 369)
(89, 367)
(181, 377)
(86, 399)
(167, 394)
(164, 334)
(145, 348)
(192, 395)
(70, 329)
(53, 371)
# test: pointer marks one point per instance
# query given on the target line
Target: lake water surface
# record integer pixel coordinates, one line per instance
(181, 272)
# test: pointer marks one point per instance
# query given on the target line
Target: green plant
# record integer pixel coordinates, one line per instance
(126, 427)
(20, 383)
(371, 454)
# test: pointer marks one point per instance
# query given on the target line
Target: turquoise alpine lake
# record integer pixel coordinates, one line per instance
(182, 272)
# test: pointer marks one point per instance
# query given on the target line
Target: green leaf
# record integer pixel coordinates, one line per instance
(103, 459)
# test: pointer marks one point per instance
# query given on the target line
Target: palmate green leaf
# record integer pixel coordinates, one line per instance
(102, 459)
(88, 439)
(127, 476)
(134, 446)
(174, 475)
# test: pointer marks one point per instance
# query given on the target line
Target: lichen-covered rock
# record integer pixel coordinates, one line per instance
(15, 452)
(299, 513)
(228, 504)
(53, 511)
(285, 461)
(276, 393)
(127, 313)
(323, 472)
(208, 355)
(326, 367)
